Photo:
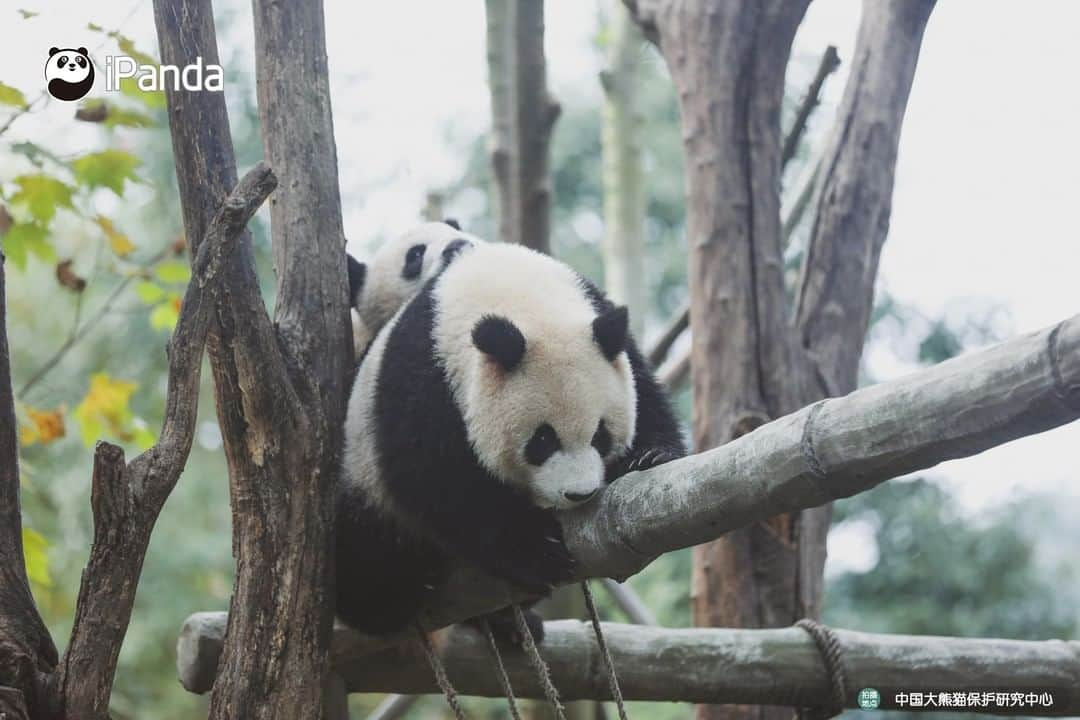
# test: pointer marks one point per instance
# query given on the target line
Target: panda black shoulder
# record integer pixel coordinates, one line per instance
(657, 436)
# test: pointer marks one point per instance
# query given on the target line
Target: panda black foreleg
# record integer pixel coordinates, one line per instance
(657, 436)
(384, 576)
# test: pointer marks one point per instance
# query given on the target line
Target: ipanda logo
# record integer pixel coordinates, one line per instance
(69, 74)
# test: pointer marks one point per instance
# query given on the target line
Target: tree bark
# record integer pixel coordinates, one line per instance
(780, 667)
(728, 64)
(500, 63)
(535, 113)
(280, 392)
(829, 450)
(27, 652)
(623, 186)
(127, 498)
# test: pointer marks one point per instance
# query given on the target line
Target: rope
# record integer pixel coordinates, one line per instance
(441, 679)
(504, 679)
(543, 675)
(609, 665)
(832, 653)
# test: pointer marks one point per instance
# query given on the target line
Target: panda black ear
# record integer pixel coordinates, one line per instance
(499, 339)
(53, 51)
(82, 51)
(610, 331)
(357, 275)
(453, 223)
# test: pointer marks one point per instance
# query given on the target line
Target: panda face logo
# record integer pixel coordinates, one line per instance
(69, 73)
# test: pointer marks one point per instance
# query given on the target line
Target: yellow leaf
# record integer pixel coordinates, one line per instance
(105, 409)
(118, 241)
(45, 426)
(35, 552)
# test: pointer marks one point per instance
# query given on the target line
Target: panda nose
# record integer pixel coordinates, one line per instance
(580, 497)
(71, 66)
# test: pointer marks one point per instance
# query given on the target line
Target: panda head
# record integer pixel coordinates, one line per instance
(69, 73)
(543, 380)
(399, 269)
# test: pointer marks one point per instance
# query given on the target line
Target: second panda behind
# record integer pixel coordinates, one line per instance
(509, 388)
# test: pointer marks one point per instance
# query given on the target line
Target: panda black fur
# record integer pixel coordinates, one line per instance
(396, 272)
(482, 407)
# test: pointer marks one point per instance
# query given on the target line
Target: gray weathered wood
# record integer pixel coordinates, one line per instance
(500, 64)
(535, 113)
(830, 60)
(630, 603)
(776, 667)
(832, 449)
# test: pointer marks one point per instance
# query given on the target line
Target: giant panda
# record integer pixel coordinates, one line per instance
(396, 272)
(507, 389)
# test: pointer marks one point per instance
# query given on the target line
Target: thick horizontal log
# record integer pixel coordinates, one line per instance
(754, 667)
(832, 449)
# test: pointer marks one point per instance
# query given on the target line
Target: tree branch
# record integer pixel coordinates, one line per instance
(830, 450)
(723, 665)
(829, 62)
(658, 351)
(126, 500)
(854, 191)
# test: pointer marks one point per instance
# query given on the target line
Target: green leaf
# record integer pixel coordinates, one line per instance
(127, 46)
(42, 194)
(164, 316)
(173, 271)
(122, 117)
(108, 168)
(24, 238)
(35, 552)
(153, 99)
(94, 27)
(148, 292)
(27, 14)
(11, 96)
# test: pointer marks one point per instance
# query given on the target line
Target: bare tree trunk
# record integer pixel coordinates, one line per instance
(279, 388)
(535, 113)
(500, 62)
(728, 64)
(624, 187)
(27, 652)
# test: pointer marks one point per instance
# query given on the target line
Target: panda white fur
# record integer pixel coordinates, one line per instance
(397, 271)
(507, 389)
(69, 73)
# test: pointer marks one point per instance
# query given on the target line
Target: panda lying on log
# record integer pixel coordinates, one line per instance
(507, 389)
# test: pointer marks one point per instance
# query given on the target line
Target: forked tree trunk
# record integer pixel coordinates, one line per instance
(280, 388)
(728, 62)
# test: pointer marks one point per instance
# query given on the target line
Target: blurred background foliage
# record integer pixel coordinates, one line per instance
(97, 266)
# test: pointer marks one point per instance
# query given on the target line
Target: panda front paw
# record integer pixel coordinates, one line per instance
(536, 562)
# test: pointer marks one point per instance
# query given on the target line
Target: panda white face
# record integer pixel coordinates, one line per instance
(401, 267)
(543, 384)
(69, 73)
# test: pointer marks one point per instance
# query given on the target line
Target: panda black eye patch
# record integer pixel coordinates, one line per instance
(601, 439)
(414, 262)
(542, 445)
(62, 61)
